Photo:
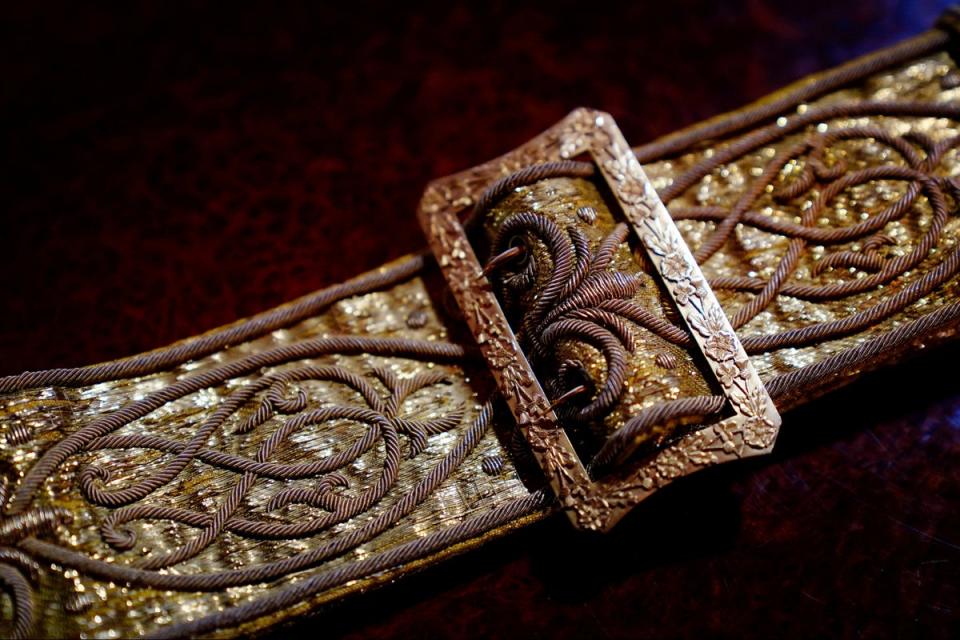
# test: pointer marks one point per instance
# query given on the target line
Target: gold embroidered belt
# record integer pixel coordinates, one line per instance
(595, 321)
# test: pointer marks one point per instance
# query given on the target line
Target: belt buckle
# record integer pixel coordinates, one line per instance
(597, 504)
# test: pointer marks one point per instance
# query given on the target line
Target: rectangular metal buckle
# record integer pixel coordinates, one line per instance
(599, 504)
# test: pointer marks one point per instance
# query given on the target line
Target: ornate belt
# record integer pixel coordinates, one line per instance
(595, 322)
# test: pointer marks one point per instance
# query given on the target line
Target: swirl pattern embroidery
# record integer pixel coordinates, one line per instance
(820, 158)
(275, 492)
(581, 299)
(325, 484)
(814, 178)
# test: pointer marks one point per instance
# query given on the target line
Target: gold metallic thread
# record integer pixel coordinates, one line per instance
(69, 604)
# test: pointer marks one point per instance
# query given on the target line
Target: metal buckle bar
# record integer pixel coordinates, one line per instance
(599, 504)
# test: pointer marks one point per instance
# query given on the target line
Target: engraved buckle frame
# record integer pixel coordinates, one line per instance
(599, 504)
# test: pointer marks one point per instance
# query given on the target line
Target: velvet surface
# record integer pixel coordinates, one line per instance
(169, 169)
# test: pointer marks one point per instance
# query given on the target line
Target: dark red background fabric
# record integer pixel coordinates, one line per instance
(169, 169)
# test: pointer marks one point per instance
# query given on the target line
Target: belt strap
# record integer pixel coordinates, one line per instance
(236, 479)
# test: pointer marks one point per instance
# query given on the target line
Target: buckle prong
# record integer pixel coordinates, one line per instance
(569, 395)
(498, 261)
